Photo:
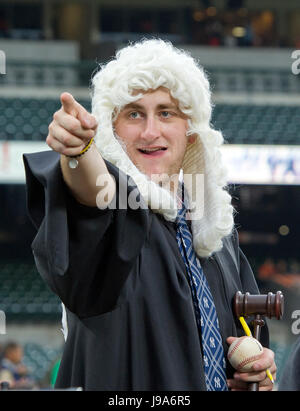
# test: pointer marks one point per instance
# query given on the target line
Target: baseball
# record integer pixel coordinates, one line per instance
(243, 352)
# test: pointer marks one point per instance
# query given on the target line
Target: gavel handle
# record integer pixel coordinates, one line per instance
(253, 386)
(258, 323)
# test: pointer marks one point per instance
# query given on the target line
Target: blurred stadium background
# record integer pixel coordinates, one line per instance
(246, 48)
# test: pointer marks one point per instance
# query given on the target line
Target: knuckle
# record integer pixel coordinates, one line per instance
(66, 139)
(56, 115)
(90, 134)
(73, 127)
(51, 128)
(48, 140)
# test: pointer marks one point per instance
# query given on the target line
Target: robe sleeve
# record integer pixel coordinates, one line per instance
(83, 253)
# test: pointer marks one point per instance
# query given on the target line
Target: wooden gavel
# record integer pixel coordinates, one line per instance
(267, 305)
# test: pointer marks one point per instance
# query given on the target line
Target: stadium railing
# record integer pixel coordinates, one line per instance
(78, 74)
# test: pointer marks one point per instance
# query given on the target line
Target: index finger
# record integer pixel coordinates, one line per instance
(72, 107)
(69, 104)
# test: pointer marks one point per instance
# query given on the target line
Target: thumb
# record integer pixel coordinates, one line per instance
(87, 120)
(230, 340)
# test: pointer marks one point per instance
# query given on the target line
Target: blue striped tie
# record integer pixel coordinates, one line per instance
(206, 315)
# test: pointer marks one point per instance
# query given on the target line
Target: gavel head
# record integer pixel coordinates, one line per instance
(269, 305)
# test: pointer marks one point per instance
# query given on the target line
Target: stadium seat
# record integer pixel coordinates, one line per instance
(28, 119)
(24, 295)
(39, 361)
(257, 124)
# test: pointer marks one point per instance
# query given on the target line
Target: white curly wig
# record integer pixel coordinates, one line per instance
(151, 64)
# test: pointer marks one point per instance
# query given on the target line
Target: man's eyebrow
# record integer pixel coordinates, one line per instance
(134, 106)
(168, 105)
(137, 106)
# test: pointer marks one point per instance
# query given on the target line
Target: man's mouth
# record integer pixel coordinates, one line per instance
(152, 151)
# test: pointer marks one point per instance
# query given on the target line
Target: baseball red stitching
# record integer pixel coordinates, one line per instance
(247, 360)
(235, 347)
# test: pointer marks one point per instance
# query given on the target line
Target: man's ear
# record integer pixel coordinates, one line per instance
(192, 138)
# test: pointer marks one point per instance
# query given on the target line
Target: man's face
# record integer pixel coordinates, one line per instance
(16, 355)
(153, 130)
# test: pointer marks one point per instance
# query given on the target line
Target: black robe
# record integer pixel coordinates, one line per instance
(120, 275)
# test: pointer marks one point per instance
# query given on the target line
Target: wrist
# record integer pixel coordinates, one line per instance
(73, 162)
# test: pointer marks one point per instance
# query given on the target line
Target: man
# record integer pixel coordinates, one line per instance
(12, 369)
(147, 283)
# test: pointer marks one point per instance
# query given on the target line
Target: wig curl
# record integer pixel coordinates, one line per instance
(151, 64)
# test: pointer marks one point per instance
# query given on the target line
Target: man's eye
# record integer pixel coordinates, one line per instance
(134, 114)
(166, 114)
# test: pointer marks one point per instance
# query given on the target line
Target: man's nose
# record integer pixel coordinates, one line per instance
(151, 128)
